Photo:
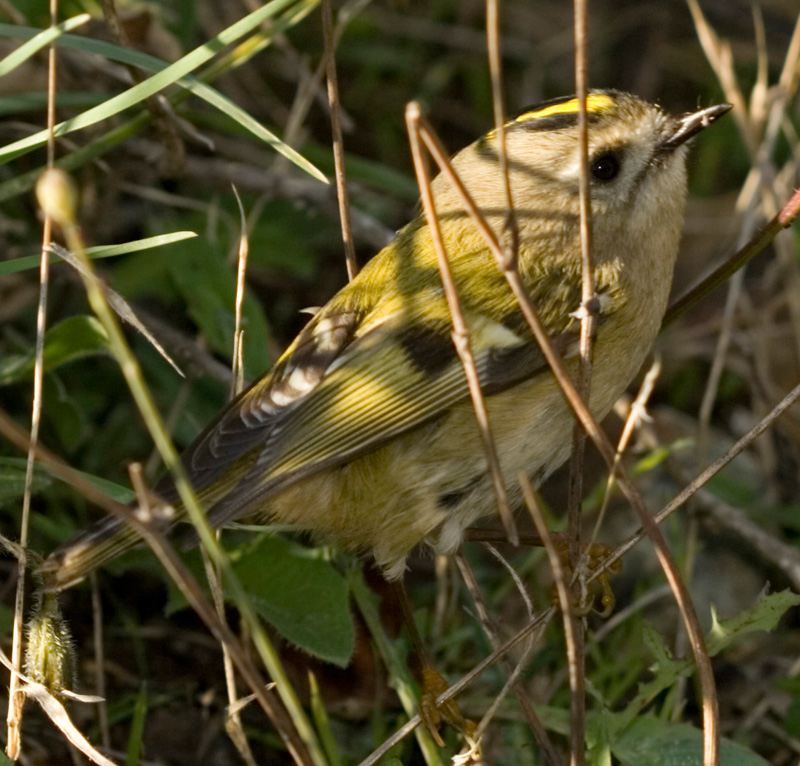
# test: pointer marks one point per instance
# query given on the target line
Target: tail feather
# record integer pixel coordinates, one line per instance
(95, 546)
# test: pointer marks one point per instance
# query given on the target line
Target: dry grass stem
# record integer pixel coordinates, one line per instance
(180, 574)
(721, 515)
(99, 662)
(57, 713)
(164, 120)
(490, 628)
(731, 265)
(666, 560)
(511, 229)
(16, 699)
(637, 413)
(459, 686)
(338, 140)
(706, 475)
(237, 371)
(460, 330)
(588, 314)
(575, 668)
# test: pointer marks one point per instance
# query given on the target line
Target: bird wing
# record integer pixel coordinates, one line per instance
(330, 401)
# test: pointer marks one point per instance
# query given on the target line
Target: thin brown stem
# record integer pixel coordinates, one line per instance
(237, 368)
(173, 155)
(460, 330)
(727, 268)
(571, 630)
(511, 230)
(636, 414)
(180, 574)
(16, 698)
(556, 364)
(99, 662)
(490, 628)
(588, 312)
(682, 497)
(338, 141)
(459, 686)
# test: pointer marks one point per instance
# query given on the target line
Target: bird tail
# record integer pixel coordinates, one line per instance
(95, 546)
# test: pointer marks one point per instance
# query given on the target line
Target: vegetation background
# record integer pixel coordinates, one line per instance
(163, 673)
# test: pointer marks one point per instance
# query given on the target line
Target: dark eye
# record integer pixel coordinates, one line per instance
(605, 167)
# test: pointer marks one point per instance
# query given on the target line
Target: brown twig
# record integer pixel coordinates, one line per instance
(164, 121)
(99, 662)
(574, 637)
(571, 629)
(460, 685)
(637, 413)
(460, 331)
(338, 141)
(702, 479)
(717, 514)
(16, 697)
(730, 266)
(179, 573)
(490, 628)
(237, 367)
(511, 230)
(710, 711)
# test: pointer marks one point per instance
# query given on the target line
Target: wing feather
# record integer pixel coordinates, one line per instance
(371, 397)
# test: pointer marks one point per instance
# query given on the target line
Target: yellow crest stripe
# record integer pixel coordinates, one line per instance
(596, 103)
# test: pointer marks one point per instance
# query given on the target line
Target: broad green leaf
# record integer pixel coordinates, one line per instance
(102, 251)
(300, 595)
(74, 338)
(649, 741)
(208, 285)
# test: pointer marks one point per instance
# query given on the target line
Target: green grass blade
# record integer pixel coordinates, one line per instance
(166, 75)
(103, 251)
(36, 43)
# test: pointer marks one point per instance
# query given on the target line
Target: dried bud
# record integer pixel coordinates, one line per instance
(57, 196)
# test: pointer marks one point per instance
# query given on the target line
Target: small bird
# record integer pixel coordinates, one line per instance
(364, 434)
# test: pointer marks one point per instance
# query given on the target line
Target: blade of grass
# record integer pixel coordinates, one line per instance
(101, 251)
(166, 75)
(56, 197)
(35, 44)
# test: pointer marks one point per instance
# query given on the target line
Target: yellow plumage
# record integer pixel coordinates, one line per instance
(363, 433)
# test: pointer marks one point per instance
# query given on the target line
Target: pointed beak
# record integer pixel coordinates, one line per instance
(684, 128)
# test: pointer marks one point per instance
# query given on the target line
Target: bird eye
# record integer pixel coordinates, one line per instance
(606, 167)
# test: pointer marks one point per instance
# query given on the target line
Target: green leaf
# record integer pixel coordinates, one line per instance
(208, 285)
(12, 478)
(44, 38)
(300, 595)
(649, 741)
(74, 338)
(166, 75)
(36, 101)
(102, 251)
(764, 616)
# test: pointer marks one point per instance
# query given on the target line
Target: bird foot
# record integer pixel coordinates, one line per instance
(432, 715)
(588, 585)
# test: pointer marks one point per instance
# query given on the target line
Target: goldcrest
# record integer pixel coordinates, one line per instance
(363, 432)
